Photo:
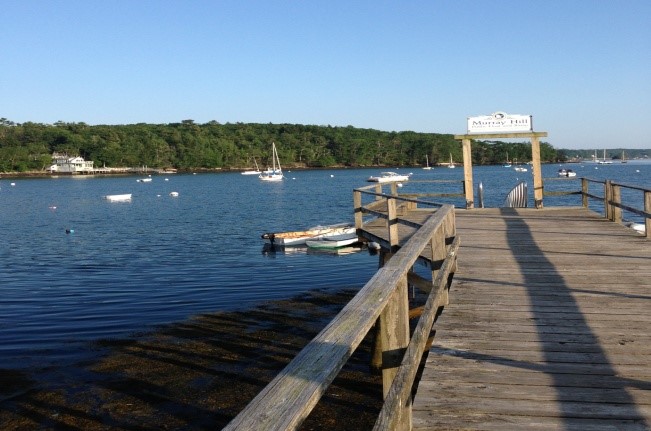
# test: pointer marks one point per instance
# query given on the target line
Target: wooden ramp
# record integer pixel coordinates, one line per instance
(548, 326)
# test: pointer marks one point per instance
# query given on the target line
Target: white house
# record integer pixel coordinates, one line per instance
(70, 165)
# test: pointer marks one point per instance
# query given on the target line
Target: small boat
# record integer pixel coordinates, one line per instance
(566, 173)
(257, 170)
(507, 164)
(335, 241)
(300, 237)
(174, 194)
(427, 166)
(637, 227)
(118, 198)
(520, 169)
(604, 161)
(144, 180)
(387, 177)
(451, 165)
(276, 173)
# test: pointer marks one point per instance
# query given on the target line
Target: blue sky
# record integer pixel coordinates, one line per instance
(581, 68)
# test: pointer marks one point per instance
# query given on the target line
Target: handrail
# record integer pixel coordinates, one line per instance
(285, 402)
(612, 199)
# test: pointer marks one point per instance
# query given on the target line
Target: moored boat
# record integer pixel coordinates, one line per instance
(118, 198)
(300, 237)
(566, 173)
(387, 177)
(335, 241)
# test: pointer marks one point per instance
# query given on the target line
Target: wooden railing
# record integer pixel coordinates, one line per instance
(382, 303)
(611, 199)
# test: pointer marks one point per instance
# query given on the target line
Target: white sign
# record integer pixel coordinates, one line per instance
(500, 122)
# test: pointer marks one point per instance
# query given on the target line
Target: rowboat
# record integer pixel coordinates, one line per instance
(300, 237)
(118, 198)
(336, 241)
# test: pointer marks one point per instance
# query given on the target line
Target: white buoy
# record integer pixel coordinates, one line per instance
(167, 179)
(332, 176)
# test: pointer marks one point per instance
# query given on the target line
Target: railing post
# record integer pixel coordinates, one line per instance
(467, 173)
(392, 223)
(647, 209)
(439, 253)
(616, 200)
(394, 326)
(378, 190)
(357, 205)
(607, 210)
(584, 192)
(394, 188)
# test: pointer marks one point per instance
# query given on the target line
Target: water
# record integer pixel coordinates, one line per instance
(75, 268)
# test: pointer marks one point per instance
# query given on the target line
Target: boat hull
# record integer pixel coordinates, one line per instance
(387, 177)
(118, 198)
(330, 243)
(300, 237)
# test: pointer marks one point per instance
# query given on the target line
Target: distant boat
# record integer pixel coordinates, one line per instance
(604, 161)
(253, 172)
(520, 169)
(387, 177)
(507, 164)
(566, 173)
(118, 198)
(144, 180)
(451, 165)
(427, 166)
(276, 173)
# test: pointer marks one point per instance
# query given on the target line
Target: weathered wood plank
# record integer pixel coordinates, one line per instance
(547, 326)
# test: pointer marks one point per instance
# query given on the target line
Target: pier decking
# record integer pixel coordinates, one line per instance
(547, 326)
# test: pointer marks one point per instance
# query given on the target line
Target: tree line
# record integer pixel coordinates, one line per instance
(191, 146)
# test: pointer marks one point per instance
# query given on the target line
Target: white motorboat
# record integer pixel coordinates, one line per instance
(118, 198)
(335, 241)
(276, 173)
(387, 177)
(520, 169)
(144, 180)
(566, 173)
(300, 237)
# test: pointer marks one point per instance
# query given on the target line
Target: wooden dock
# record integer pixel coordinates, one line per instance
(548, 326)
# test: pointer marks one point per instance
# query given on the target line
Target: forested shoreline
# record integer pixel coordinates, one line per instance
(28, 147)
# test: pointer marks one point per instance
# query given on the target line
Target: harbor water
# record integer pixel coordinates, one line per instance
(76, 268)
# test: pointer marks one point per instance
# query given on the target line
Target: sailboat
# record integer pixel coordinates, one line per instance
(253, 172)
(427, 166)
(276, 172)
(507, 164)
(624, 157)
(604, 161)
(451, 165)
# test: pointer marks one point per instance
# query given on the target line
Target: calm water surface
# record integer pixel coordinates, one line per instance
(127, 267)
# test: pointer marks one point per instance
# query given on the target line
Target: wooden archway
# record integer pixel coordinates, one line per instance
(535, 159)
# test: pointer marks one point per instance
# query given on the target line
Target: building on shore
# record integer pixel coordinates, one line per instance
(63, 164)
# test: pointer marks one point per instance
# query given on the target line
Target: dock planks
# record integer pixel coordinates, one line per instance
(548, 326)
